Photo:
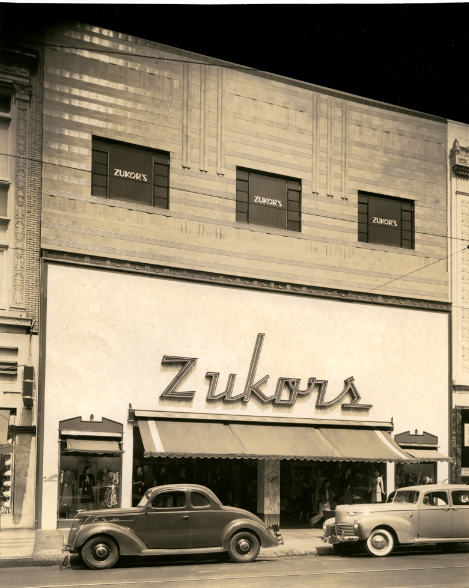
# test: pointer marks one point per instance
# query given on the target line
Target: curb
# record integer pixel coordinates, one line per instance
(54, 559)
(16, 562)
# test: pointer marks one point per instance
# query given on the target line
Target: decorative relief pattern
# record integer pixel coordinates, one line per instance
(14, 69)
(465, 288)
(22, 96)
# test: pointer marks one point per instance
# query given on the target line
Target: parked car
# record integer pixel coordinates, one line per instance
(172, 519)
(415, 515)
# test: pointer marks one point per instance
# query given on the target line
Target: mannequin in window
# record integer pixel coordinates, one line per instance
(138, 484)
(86, 488)
(68, 491)
(103, 483)
(376, 487)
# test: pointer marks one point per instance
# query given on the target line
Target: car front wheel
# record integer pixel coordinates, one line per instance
(100, 552)
(244, 547)
(380, 543)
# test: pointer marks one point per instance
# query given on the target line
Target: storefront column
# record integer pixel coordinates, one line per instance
(390, 478)
(268, 491)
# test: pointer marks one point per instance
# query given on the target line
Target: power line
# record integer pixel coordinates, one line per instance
(417, 270)
(303, 211)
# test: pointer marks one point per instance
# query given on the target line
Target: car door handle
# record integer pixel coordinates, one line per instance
(185, 517)
(455, 508)
(445, 509)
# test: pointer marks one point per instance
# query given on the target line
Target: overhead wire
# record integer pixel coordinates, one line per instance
(355, 222)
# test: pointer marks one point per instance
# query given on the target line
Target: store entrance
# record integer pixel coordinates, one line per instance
(302, 486)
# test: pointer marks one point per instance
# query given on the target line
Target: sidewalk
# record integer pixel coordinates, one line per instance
(44, 548)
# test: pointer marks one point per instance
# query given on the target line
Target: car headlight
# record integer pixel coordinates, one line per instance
(356, 524)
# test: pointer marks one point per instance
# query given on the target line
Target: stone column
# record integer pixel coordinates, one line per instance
(268, 491)
(390, 478)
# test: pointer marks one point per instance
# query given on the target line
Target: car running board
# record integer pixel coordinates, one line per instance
(188, 551)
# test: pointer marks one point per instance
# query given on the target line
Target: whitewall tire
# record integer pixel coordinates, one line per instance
(380, 543)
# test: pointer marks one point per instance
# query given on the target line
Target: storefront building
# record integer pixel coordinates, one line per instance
(21, 91)
(223, 302)
(458, 187)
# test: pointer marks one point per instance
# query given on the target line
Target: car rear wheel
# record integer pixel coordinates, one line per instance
(100, 552)
(380, 543)
(244, 547)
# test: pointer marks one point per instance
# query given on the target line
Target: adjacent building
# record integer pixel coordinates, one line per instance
(244, 282)
(21, 91)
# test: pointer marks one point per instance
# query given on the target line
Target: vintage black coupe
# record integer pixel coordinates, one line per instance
(169, 520)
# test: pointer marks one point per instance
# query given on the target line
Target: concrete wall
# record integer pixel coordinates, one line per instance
(107, 333)
(335, 143)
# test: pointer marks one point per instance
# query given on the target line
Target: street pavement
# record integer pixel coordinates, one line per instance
(406, 568)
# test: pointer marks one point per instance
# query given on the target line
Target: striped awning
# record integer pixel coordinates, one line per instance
(423, 455)
(172, 438)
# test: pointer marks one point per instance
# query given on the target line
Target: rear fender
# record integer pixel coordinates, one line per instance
(266, 538)
(129, 543)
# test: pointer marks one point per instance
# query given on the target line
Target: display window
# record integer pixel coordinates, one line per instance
(6, 483)
(88, 482)
(414, 474)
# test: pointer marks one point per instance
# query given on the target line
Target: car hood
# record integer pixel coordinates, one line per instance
(369, 508)
(113, 511)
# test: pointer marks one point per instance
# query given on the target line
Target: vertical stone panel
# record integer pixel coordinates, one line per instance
(204, 122)
(330, 146)
(315, 119)
(221, 116)
(344, 149)
(186, 117)
(268, 491)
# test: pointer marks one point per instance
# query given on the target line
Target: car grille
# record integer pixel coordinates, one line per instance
(345, 528)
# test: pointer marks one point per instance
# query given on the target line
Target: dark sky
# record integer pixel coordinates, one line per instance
(411, 55)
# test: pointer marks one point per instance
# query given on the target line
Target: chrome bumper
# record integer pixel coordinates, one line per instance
(334, 539)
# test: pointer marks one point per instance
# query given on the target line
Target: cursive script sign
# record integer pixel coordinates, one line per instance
(290, 385)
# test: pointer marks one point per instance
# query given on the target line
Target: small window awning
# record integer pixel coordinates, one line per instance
(172, 438)
(422, 455)
(92, 446)
(6, 449)
(4, 422)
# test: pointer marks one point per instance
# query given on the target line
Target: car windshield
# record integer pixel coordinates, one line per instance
(408, 496)
(145, 498)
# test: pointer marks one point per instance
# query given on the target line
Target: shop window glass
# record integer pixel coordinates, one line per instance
(6, 483)
(121, 171)
(385, 220)
(88, 481)
(268, 200)
(198, 499)
(169, 500)
(5, 149)
(415, 474)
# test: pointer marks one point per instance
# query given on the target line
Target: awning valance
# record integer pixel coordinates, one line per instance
(4, 422)
(171, 438)
(6, 449)
(92, 446)
(422, 455)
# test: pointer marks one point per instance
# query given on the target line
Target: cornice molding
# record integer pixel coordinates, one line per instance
(241, 282)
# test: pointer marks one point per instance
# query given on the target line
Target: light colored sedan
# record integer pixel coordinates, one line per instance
(437, 513)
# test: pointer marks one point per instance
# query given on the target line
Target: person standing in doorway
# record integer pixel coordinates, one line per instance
(325, 496)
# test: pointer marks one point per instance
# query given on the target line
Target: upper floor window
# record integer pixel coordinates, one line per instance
(126, 172)
(268, 200)
(385, 220)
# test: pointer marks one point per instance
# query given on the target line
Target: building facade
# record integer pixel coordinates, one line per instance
(21, 112)
(458, 186)
(223, 254)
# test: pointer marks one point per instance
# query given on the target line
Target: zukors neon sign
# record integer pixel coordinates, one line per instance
(252, 386)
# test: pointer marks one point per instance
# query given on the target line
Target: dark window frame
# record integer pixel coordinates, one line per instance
(407, 209)
(160, 181)
(293, 198)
